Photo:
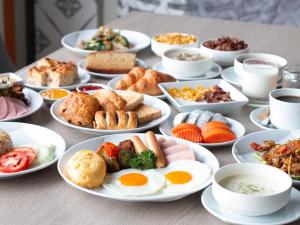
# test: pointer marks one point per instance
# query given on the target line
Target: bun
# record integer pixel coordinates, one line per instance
(110, 100)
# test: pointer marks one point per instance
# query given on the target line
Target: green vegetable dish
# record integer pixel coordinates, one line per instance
(105, 39)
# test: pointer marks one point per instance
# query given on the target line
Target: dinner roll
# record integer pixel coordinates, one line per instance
(86, 169)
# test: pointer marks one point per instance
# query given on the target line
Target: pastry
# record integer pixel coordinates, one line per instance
(110, 100)
(79, 108)
(53, 73)
(117, 120)
(133, 99)
(86, 168)
(146, 113)
(110, 62)
(5, 143)
(131, 78)
(147, 84)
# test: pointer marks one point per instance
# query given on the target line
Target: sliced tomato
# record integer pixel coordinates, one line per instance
(31, 155)
(108, 149)
(13, 162)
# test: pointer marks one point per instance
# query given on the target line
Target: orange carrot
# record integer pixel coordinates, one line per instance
(215, 124)
(189, 134)
(217, 135)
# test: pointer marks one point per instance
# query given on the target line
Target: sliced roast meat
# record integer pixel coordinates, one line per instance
(3, 108)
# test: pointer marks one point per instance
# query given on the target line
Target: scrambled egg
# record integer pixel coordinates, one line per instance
(176, 39)
(189, 94)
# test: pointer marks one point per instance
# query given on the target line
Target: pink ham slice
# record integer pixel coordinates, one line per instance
(3, 108)
(161, 140)
(167, 144)
(183, 155)
(12, 112)
(175, 148)
(20, 106)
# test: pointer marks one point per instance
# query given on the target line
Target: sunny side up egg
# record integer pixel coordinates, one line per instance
(185, 175)
(135, 182)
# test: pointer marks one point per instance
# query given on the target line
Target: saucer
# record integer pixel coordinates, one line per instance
(288, 214)
(254, 118)
(214, 72)
(231, 76)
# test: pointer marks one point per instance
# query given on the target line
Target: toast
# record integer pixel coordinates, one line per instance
(147, 113)
(133, 99)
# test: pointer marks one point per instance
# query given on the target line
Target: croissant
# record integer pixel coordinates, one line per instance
(132, 77)
(117, 120)
(148, 84)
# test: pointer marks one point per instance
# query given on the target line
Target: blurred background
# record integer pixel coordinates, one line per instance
(31, 29)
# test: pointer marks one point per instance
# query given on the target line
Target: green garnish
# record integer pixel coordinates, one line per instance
(258, 156)
(295, 177)
(143, 161)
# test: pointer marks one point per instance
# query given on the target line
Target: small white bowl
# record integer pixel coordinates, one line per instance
(91, 84)
(50, 101)
(159, 48)
(223, 58)
(238, 62)
(186, 68)
(252, 205)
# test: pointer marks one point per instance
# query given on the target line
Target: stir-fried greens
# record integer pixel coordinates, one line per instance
(283, 156)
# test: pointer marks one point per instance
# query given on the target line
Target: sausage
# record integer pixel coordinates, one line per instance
(138, 145)
(153, 145)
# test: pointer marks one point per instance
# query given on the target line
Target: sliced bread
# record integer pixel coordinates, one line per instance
(147, 113)
(133, 99)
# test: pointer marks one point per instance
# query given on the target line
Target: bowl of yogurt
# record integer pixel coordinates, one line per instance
(251, 189)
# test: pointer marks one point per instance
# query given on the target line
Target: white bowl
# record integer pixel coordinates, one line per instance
(181, 105)
(238, 61)
(92, 84)
(159, 48)
(252, 205)
(223, 58)
(190, 68)
(50, 101)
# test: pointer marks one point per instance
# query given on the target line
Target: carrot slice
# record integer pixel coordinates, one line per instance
(217, 135)
(215, 124)
(189, 134)
(183, 126)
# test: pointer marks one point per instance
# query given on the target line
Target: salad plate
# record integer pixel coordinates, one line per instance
(237, 128)
(35, 103)
(288, 214)
(263, 124)
(137, 40)
(212, 73)
(82, 67)
(29, 135)
(202, 154)
(148, 100)
(243, 153)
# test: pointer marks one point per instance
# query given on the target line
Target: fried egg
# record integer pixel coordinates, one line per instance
(135, 182)
(185, 175)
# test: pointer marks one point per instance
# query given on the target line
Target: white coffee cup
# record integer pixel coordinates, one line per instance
(283, 114)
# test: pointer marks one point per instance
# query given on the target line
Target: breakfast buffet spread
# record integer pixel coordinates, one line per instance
(132, 166)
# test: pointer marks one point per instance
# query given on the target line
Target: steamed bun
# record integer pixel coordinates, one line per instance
(86, 169)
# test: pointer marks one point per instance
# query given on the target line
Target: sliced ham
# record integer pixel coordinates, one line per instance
(183, 155)
(161, 140)
(175, 148)
(167, 144)
(12, 112)
(3, 108)
(20, 106)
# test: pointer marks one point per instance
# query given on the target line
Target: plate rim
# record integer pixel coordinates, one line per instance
(131, 198)
(254, 120)
(227, 70)
(39, 167)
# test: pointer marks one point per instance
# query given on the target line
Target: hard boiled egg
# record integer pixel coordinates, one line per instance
(185, 175)
(135, 182)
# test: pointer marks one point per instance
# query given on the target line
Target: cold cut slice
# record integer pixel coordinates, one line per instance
(183, 155)
(3, 108)
(176, 148)
(167, 144)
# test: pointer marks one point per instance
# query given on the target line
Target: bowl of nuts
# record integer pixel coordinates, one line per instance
(225, 49)
(163, 42)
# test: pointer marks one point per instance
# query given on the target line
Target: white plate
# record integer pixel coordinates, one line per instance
(113, 82)
(288, 214)
(214, 72)
(148, 100)
(181, 105)
(253, 117)
(201, 153)
(137, 40)
(83, 78)
(237, 128)
(82, 67)
(35, 103)
(242, 152)
(24, 133)
(231, 76)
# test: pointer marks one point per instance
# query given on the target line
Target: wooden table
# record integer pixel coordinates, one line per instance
(44, 198)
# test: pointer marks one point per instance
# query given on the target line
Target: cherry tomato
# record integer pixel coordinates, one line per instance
(31, 155)
(13, 162)
(109, 149)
